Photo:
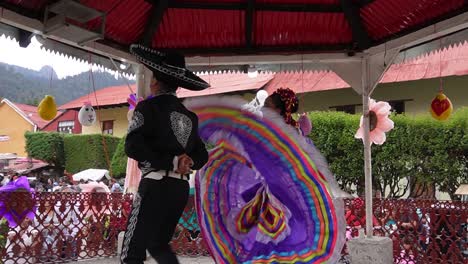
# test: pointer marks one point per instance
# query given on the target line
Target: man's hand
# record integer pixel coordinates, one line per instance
(185, 164)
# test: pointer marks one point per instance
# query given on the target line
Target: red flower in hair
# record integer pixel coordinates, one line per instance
(290, 100)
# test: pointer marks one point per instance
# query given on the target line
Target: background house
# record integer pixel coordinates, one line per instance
(16, 120)
(111, 104)
(409, 87)
(65, 122)
(324, 91)
(111, 108)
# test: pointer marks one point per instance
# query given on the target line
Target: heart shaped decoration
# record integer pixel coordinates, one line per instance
(441, 107)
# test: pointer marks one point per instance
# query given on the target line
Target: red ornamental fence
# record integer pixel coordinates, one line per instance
(75, 226)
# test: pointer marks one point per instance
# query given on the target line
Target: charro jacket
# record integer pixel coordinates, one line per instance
(162, 129)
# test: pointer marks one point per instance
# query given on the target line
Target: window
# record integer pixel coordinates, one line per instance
(350, 109)
(398, 107)
(66, 126)
(108, 127)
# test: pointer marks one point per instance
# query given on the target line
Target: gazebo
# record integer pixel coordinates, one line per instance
(357, 39)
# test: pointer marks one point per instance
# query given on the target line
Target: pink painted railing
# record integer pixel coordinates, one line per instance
(76, 226)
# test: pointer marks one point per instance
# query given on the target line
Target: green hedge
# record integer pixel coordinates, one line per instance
(4, 228)
(119, 160)
(87, 151)
(419, 149)
(46, 146)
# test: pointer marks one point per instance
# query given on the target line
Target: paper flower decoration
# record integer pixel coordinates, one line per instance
(87, 115)
(441, 107)
(304, 124)
(379, 122)
(47, 108)
(17, 202)
(132, 103)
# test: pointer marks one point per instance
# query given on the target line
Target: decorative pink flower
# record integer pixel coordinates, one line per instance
(379, 122)
(305, 124)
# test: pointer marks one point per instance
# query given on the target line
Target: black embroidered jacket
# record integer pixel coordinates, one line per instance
(161, 129)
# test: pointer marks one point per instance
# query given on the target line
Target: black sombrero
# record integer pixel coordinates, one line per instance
(168, 67)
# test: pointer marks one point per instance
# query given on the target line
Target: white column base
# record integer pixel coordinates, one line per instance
(120, 239)
(375, 250)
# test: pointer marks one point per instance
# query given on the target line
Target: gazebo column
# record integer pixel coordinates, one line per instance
(363, 76)
(148, 75)
(143, 79)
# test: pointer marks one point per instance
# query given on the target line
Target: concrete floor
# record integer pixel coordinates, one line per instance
(183, 260)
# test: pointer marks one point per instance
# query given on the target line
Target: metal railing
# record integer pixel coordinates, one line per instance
(75, 226)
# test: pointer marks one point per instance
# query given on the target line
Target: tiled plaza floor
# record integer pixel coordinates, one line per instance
(183, 260)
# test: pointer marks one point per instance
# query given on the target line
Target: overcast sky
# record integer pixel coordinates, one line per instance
(33, 57)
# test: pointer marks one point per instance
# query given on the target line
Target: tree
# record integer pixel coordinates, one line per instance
(33, 101)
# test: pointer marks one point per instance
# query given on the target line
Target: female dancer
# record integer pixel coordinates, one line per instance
(264, 195)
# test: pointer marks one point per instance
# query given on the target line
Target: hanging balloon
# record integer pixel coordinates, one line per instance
(261, 96)
(257, 103)
(47, 108)
(87, 115)
(441, 107)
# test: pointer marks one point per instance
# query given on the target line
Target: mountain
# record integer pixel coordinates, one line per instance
(45, 72)
(27, 86)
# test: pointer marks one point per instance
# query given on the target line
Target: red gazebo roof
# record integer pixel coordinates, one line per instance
(202, 27)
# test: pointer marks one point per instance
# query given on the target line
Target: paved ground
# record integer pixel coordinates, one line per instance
(183, 260)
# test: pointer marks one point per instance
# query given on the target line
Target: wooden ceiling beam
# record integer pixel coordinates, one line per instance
(154, 20)
(352, 14)
(249, 20)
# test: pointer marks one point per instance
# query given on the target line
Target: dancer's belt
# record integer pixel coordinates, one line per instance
(158, 175)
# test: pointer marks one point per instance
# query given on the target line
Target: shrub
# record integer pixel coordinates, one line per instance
(88, 151)
(119, 160)
(419, 151)
(46, 146)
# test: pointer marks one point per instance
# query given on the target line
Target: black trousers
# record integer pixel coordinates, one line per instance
(156, 211)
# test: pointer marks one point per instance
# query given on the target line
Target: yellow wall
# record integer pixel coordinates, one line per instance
(13, 125)
(420, 92)
(117, 114)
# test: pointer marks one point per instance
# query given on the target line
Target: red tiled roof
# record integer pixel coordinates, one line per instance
(114, 95)
(221, 83)
(227, 83)
(454, 62)
(309, 81)
(31, 112)
(427, 66)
